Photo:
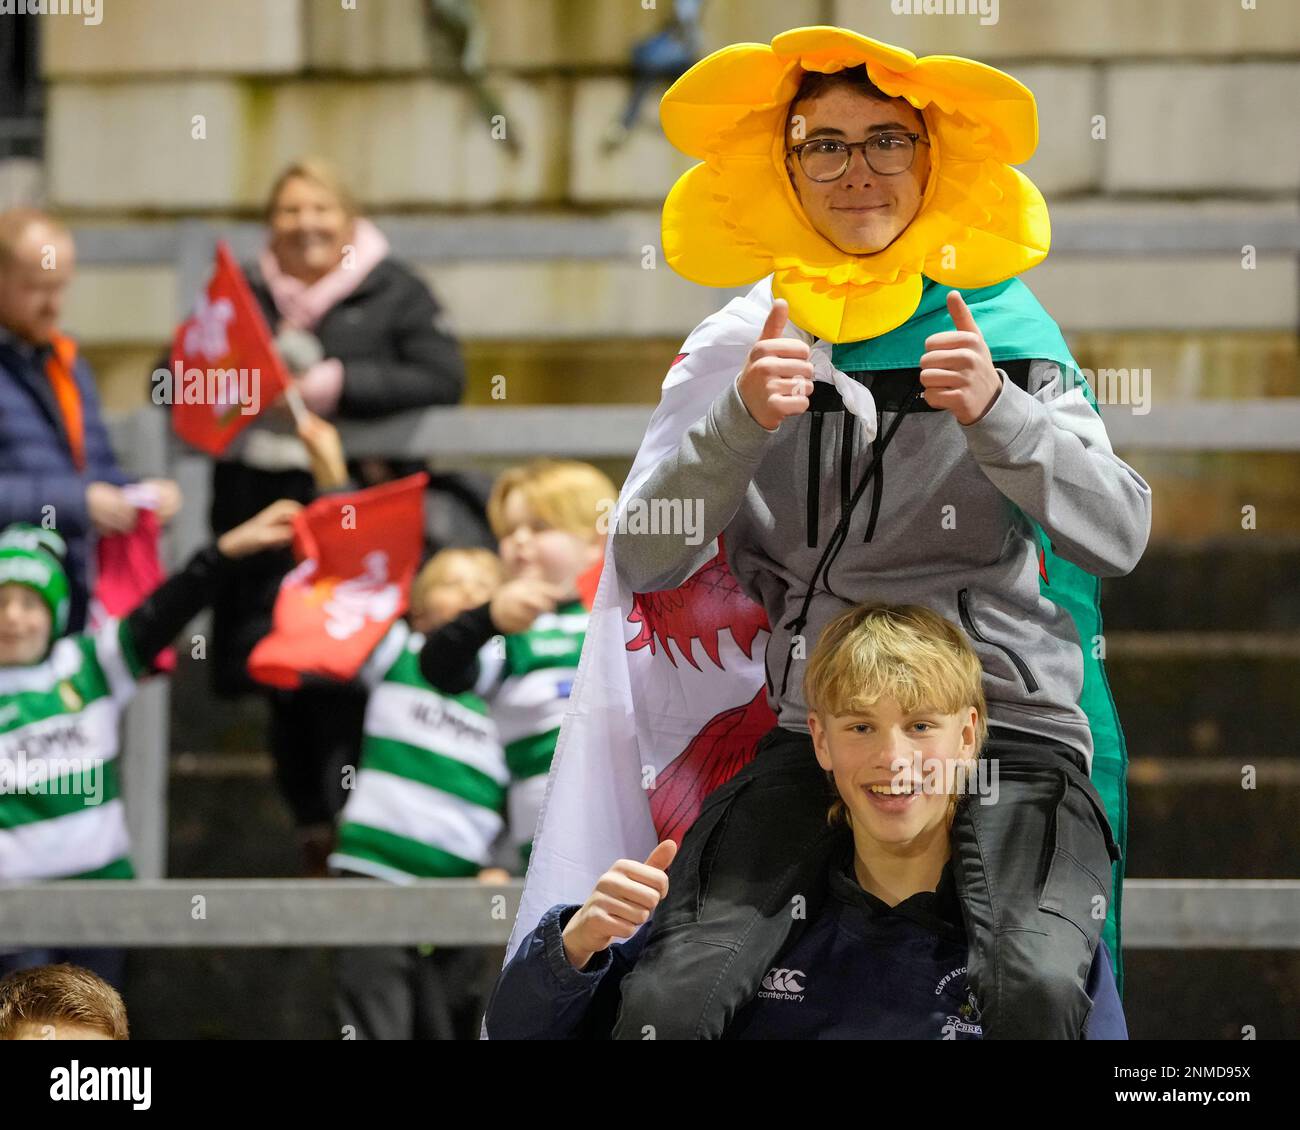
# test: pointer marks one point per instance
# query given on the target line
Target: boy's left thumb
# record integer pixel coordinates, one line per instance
(962, 318)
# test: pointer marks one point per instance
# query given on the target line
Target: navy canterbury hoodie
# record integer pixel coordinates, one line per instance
(858, 970)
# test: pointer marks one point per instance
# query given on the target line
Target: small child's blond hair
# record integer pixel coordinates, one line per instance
(434, 571)
(565, 493)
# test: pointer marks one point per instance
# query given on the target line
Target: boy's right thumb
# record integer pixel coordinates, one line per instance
(662, 855)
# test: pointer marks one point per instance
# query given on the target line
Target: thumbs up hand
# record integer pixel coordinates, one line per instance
(778, 376)
(623, 900)
(957, 369)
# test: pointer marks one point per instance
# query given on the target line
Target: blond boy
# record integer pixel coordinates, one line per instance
(879, 951)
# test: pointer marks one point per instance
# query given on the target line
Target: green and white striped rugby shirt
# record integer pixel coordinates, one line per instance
(527, 678)
(61, 814)
(430, 791)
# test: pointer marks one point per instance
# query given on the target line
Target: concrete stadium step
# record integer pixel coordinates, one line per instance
(1185, 823)
(1245, 584)
(1201, 704)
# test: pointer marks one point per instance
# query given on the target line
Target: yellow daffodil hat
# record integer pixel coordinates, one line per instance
(735, 217)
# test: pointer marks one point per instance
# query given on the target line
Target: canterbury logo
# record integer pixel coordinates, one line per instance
(784, 980)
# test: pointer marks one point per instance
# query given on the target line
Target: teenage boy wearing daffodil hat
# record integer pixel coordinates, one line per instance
(896, 420)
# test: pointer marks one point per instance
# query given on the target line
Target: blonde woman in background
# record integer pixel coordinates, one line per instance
(361, 333)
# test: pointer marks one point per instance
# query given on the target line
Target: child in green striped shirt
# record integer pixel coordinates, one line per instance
(427, 803)
(61, 813)
(61, 698)
(520, 650)
(429, 795)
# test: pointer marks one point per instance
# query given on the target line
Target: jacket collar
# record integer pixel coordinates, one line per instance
(938, 911)
(25, 362)
(24, 349)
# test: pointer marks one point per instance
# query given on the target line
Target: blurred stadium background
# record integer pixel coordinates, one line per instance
(537, 249)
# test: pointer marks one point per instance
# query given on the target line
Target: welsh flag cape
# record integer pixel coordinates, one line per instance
(670, 697)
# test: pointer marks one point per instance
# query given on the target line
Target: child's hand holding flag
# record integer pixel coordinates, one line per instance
(324, 447)
(270, 528)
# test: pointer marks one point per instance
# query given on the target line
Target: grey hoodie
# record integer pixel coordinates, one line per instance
(943, 524)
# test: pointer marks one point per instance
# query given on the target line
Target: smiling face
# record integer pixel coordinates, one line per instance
(25, 625)
(309, 228)
(531, 547)
(895, 799)
(863, 211)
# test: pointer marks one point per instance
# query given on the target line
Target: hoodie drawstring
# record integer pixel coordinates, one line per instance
(840, 533)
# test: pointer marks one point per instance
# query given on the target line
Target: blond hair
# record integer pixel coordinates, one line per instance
(901, 651)
(60, 994)
(565, 493)
(320, 173)
(434, 571)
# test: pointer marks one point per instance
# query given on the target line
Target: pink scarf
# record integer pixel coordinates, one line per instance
(303, 305)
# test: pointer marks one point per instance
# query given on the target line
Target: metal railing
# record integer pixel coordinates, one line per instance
(1162, 914)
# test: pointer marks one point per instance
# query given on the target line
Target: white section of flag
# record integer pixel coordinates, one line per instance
(596, 810)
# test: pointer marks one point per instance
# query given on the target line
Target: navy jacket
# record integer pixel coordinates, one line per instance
(36, 468)
(860, 969)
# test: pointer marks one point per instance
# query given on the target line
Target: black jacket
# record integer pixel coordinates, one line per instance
(859, 969)
(396, 355)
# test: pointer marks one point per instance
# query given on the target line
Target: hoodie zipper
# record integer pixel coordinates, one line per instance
(963, 608)
(877, 487)
(814, 477)
(822, 568)
(848, 431)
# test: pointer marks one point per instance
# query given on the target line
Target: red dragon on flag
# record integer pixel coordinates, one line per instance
(708, 603)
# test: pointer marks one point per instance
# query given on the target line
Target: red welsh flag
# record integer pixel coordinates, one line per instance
(224, 370)
(357, 555)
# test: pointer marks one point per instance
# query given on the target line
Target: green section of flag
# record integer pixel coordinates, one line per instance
(1011, 320)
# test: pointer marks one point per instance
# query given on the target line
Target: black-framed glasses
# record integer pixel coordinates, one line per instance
(888, 153)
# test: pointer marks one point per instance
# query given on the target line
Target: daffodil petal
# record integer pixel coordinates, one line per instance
(735, 218)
